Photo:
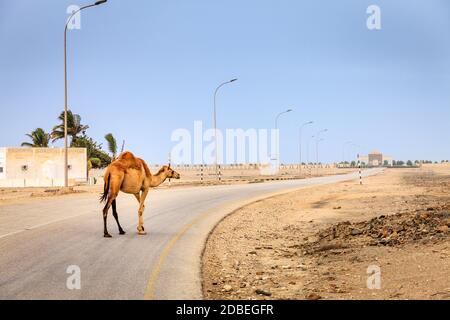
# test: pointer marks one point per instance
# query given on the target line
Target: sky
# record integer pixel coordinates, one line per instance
(142, 69)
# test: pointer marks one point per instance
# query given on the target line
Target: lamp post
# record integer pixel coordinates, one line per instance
(300, 144)
(277, 152)
(317, 136)
(320, 132)
(215, 124)
(66, 157)
(358, 147)
(343, 151)
(307, 149)
(317, 154)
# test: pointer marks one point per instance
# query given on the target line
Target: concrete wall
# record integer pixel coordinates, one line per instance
(2, 163)
(241, 172)
(42, 167)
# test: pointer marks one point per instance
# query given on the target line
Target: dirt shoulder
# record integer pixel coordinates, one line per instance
(10, 196)
(324, 242)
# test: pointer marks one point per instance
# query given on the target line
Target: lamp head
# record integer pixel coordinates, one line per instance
(100, 2)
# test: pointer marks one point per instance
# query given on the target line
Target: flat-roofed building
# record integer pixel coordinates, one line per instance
(376, 159)
(41, 167)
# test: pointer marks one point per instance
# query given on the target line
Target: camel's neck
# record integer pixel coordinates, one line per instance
(158, 179)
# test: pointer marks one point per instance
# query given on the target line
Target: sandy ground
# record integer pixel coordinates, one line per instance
(326, 242)
(17, 195)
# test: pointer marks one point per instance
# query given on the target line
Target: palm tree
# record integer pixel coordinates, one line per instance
(39, 138)
(93, 163)
(112, 145)
(74, 126)
(123, 146)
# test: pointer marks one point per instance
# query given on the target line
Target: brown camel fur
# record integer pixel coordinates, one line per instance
(131, 175)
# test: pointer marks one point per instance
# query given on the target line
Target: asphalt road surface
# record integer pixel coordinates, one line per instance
(41, 239)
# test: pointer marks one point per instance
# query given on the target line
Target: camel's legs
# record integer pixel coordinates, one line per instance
(105, 216)
(141, 199)
(116, 216)
(114, 188)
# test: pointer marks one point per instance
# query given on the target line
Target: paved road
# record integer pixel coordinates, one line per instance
(39, 240)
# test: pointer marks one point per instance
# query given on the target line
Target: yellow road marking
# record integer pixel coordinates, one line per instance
(150, 290)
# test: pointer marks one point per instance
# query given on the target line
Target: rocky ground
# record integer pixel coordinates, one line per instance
(325, 242)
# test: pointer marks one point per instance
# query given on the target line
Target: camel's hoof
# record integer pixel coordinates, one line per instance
(107, 235)
(122, 232)
(142, 233)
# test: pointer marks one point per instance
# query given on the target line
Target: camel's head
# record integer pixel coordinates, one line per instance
(171, 174)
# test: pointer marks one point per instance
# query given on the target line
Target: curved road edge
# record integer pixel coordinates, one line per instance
(182, 256)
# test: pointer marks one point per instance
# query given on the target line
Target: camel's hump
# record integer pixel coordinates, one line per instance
(127, 160)
(127, 156)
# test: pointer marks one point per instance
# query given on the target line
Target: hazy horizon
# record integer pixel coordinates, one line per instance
(141, 70)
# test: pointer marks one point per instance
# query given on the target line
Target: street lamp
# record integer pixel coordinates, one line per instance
(317, 149)
(317, 136)
(277, 152)
(215, 122)
(317, 154)
(66, 157)
(278, 116)
(343, 151)
(358, 147)
(307, 149)
(300, 144)
(320, 132)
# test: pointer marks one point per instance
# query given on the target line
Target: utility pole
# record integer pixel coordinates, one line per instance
(66, 147)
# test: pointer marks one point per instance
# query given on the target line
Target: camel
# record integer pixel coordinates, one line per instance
(130, 175)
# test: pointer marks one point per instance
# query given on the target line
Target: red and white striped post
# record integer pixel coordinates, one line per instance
(201, 173)
(169, 159)
(360, 174)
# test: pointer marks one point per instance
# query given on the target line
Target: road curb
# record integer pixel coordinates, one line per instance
(184, 258)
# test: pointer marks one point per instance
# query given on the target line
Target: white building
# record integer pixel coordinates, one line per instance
(41, 167)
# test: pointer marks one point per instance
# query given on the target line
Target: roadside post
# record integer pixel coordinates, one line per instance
(360, 174)
(170, 182)
(201, 173)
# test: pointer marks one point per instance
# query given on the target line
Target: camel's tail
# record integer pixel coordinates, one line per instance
(104, 195)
